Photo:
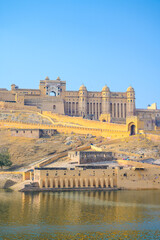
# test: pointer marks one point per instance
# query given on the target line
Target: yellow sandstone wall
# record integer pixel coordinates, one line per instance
(107, 133)
(126, 178)
(86, 122)
(76, 178)
(138, 179)
(107, 130)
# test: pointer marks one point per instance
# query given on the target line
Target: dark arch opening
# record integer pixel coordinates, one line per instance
(52, 94)
(103, 120)
(133, 128)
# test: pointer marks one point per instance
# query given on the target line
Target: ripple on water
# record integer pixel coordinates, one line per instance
(80, 215)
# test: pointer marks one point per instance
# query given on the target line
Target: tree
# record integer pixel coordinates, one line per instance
(5, 160)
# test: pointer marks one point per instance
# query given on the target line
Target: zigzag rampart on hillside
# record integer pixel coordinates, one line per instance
(85, 122)
(73, 129)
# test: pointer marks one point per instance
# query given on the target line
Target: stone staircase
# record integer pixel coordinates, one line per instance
(20, 186)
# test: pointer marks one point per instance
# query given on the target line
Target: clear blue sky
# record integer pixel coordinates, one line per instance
(113, 42)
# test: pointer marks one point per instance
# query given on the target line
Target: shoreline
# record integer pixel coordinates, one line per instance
(67, 189)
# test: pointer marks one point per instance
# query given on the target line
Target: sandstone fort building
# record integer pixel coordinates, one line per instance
(107, 106)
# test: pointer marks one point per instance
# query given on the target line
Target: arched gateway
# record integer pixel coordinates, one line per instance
(132, 128)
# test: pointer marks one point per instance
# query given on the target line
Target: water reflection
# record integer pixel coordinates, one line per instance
(80, 215)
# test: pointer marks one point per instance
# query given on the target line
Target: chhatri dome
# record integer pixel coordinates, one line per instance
(47, 78)
(58, 78)
(105, 89)
(83, 88)
(130, 89)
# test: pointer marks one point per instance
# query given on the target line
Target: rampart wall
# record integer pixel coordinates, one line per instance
(107, 133)
(86, 122)
(107, 130)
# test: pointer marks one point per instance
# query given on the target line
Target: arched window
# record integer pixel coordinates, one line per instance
(52, 93)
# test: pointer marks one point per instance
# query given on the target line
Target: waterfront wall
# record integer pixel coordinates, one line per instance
(77, 178)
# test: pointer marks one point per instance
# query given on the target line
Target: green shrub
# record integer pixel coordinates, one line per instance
(5, 160)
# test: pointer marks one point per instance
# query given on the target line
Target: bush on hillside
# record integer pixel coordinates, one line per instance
(5, 160)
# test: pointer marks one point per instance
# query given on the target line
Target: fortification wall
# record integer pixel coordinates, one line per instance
(86, 122)
(70, 129)
(106, 130)
(96, 132)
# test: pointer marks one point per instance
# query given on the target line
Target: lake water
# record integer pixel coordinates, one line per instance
(80, 215)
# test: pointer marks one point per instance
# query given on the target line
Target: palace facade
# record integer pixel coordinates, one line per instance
(107, 106)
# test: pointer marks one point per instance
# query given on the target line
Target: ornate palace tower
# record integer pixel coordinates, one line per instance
(83, 101)
(130, 102)
(105, 100)
(52, 87)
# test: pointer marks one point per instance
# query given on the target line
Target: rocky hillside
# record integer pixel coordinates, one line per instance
(24, 151)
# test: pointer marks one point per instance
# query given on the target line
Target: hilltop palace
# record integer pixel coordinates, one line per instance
(106, 106)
